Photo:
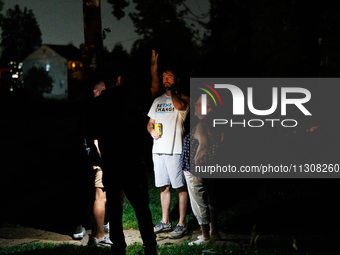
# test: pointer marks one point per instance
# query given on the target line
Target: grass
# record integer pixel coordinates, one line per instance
(238, 214)
(129, 217)
(51, 248)
(130, 222)
(232, 219)
(136, 248)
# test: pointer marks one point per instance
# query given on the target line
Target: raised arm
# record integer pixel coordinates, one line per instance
(155, 84)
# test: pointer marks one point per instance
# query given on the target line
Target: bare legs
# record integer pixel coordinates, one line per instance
(210, 230)
(166, 199)
(99, 213)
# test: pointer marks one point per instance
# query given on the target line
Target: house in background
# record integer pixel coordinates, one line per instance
(62, 62)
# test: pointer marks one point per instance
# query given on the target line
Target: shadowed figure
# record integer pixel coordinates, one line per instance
(201, 146)
(119, 132)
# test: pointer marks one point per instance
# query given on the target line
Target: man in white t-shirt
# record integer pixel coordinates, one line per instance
(170, 109)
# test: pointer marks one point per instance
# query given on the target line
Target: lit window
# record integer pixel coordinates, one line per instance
(73, 65)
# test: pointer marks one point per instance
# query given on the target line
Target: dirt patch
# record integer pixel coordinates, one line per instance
(10, 236)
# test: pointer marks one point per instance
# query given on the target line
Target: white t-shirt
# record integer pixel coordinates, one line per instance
(163, 111)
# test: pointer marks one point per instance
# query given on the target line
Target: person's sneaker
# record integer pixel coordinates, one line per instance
(80, 232)
(107, 227)
(198, 242)
(102, 242)
(178, 232)
(161, 227)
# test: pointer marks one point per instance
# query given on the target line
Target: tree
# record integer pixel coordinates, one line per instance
(270, 38)
(118, 6)
(21, 34)
(1, 8)
(37, 82)
(225, 50)
(161, 26)
(115, 64)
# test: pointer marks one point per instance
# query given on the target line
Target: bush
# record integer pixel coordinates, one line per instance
(37, 82)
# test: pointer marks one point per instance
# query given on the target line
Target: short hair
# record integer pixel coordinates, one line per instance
(171, 69)
(95, 82)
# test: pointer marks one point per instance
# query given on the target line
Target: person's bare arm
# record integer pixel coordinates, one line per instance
(201, 134)
(97, 146)
(151, 129)
(155, 84)
(180, 101)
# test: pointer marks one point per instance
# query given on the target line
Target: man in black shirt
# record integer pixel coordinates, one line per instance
(116, 122)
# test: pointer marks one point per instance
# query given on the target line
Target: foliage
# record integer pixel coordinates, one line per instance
(37, 82)
(115, 63)
(244, 38)
(21, 34)
(118, 6)
(158, 21)
(1, 8)
(147, 23)
(129, 217)
(271, 38)
(161, 27)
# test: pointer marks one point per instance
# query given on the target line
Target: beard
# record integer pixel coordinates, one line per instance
(172, 86)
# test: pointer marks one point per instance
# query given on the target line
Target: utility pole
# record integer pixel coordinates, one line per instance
(92, 50)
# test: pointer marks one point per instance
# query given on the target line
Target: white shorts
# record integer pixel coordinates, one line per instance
(168, 170)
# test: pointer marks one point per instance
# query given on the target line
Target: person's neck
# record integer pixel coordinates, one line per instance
(168, 92)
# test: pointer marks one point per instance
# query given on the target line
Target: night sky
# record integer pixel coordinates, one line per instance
(61, 22)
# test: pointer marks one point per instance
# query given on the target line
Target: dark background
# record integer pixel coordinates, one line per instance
(43, 181)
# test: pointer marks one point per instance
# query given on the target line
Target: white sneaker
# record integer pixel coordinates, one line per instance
(80, 232)
(102, 242)
(107, 227)
(199, 241)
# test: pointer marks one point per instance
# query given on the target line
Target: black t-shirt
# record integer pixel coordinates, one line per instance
(117, 119)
